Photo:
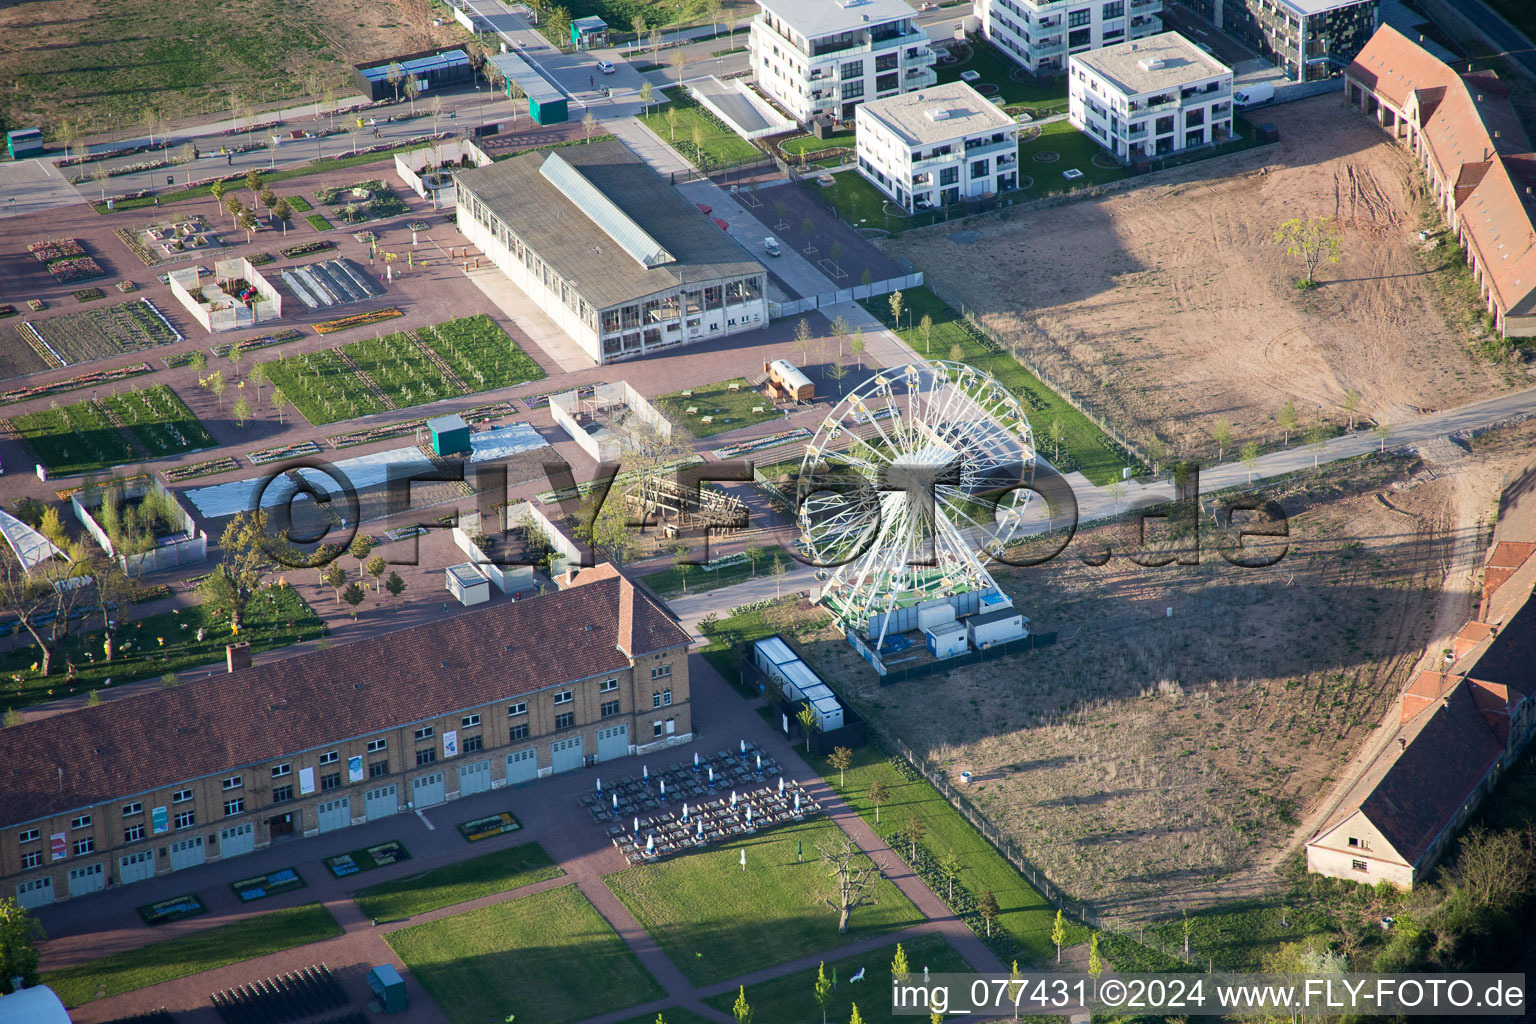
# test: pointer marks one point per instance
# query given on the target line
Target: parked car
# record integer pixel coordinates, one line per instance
(771, 246)
(605, 67)
(1253, 95)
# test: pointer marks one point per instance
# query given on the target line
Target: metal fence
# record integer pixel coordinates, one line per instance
(854, 294)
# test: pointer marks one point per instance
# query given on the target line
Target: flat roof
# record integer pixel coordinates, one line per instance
(450, 421)
(777, 650)
(452, 58)
(1310, 7)
(1134, 66)
(936, 114)
(535, 85)
(814, 18)
(583, 252)
(466, 574)
(588, 23)
(1001, 615)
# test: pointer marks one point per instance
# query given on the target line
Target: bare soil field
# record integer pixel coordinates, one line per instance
(101, 64)
(1170, 306)
(1147, 762)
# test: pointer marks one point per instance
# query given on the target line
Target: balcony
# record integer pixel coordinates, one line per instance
(919, 78)
(1005, 162)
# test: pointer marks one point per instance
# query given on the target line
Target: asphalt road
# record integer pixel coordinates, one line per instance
(1500, 33)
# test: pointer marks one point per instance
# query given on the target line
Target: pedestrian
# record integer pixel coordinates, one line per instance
(591, 81)
(229, 159)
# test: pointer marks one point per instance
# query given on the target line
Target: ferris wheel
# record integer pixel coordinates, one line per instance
(910, 484)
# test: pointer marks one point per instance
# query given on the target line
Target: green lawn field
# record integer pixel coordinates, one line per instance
(457, 883)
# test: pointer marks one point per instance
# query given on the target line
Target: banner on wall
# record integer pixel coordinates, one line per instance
(451, 743)
(306, 780)
(58, 845)
(354, 769)
(159, 821)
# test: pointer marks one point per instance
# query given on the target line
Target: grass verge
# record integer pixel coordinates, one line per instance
(457, 883)
(697, 134)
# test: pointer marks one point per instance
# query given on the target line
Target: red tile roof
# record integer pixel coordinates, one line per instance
(155, 739)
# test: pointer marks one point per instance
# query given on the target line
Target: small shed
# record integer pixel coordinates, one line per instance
(467, 585)
(947, 639)
(798, 678)
(770, 654)
(829, 713)
(387, 987)
(24, 142)
(995, 627)
(450, 434)
(589, 33)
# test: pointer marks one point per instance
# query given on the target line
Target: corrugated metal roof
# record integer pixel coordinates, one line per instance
(605, 213)
(528, 78)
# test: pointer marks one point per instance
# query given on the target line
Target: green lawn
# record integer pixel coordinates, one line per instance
(322, 387)
(729, 410)
(481, 353)
(791, 998)
(1042, 93)
(318, 222)
(716, 921)
(671, 1015)
(405, 373)
(670, 582)
(191, 954)
(457, 883)
(1084, 447)
(299, 204)
(81, 438)
(549, 957)
(160, 420)
(1073, 149)
(810, 143)
(676, 122)
(280, 621)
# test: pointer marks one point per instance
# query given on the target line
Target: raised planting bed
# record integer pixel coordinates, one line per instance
(127, 286)
(318, 222)
(55, 249)
(80, 268)
(307, 248)
(299, 204)
(253, 344)
(263, 456)
(102, 333)
(178, 474)
(373, 316)
(85, 380)
(389, 431)
(8, 310)
(88, 294)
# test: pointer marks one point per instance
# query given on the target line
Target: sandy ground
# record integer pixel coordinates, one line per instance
(1170, 306)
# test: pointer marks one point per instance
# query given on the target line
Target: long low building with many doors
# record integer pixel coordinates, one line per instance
(498, 696)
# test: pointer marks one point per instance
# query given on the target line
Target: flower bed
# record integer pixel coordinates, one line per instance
(281, 452)
(78, 268)
(85, 380)
(55, 249)
(387, 431)
(127, 286)
(252, 344)
(307, 248)
(88, 294)
(373, 316)
(261, 259)
(783, 437)
(338, 194)
(539, 401)
(178, 474)
(36, 305)
(8, 310)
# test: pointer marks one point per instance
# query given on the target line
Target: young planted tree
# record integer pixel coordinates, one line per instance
(216, 385)
(956, 353)
(197, 361)
(987, 907)
(253, 183)
(1095, 962)
(268, 199)
(241, 411)
(1317, 440)
(699, 155)
(1059, 933)
(637, 25)
(353, 595)
(852, 880)
(822, 989)
(273, 141)
(647, 94)
(672, 119)
(100, 174)
(412, 90)
(840, 758)
(279, 402)
(679, 60)
(878, 794)
(361, 547)
(395, 75)
(742, 1010)
(1382, 430)
(1288, 419)
(925, 328)
(899, 966)
(375, 567)
(894, 304)
(682, 557)
(234, 207)
(778, 570)
(857, 346)
(754, 551)
(588, 125)
(808, 723)
(855, 1017)
(912, 834)
(1352, 405)
(1221, 433)
(395, 585)
(1057, 433)
(335, 577)
(949, 868)
(1249, 457)
(258, 377)
(840, 329)
(246, 221)
(244, 558)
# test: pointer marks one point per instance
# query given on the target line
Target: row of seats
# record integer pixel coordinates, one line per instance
(284, 998)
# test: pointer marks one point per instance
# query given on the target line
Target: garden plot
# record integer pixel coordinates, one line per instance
(480, 353)
(169, 241)
(362, 201)
(331, 283)
(323, 386)
(159, 420)
(93, 435)
(404, 371)
(100, 333)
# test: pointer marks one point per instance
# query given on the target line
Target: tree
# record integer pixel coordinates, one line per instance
(877, 794)
(283, 212)
(353, 595)
(1057, 433)
(989, 910)
(637, 23)
(114, 593)
(1221, 433)
(66, 135)
(273, 141)
(754, 551)
(234, 207)
(1250, 457)
(1313, 241)
(682, 557)
(647, 93)
(778, 570)
(43, 599)
(698, 146)
(217, 190)
(335, 577)
(852, 880)
(244, 557)
(602, 523)
(956, 353)
(100, 174)
(395, 585)
(1382, 430)
(837, 370)
(1496, 870)
(395, 75)
(655, 41)
(857, 346)
(1059, 933)
(436, 110)
(236, 356)
(1095, 962)
(925, 328)
(216, 385)
(840, 329)
(197, 360)
(823, 989)
(412, 90)
(279, 402)
(241, 411)
(899, 966)
(1352, 405)
(361, 547)
(716, 12)
(854, 1018)
(912, 833)
(1288, 420)
(246, 221)
(672, 119)
(258, 377)
(679, 60)
(840, 758)
(268, 199)
(808, 723)
(375, 568)
(1015, 987)
(1116, 489)
(20, 933)
(559, 21)
(949, 867)
(894, 303)
(742, 1010)
(1317, 440)
(253, 183)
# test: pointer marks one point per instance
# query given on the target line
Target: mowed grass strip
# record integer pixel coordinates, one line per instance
(716, 921)
(1027, 916)
(549, 957)
(457, 883)
(192, 954)
(727, 409)
(791, 997)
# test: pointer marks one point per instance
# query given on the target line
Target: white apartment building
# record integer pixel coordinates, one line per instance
(1151, 97)
(824, 57)
(1042, 34)
(939, 146)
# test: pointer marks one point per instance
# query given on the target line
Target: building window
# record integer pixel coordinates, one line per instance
(424, 733)
(608, 686)
(564, 697)
(427, 756)
(181, 796)
(1359, 865)
(282, 794)
(886, 62)
(661, 672)
(84, 821)
(1113, 10)
(378, 769)
(980, 168)
(32, 860)
(133, 833)
(1077, 19)
(610, 708)
(518, 732)
(280, 770)
(656, 729)
(329, 782)
(565, 720)
(852, 69)
(29, 835)
(470, 722)
(235, 806)
(656, 699)
(329, 757)
(233, 782)
(374, 746)
(473, 743)
(129, 810)
(186, 819)
(853, 90)
(520, 708)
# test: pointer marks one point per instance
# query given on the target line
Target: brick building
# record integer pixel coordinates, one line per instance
(173, 778)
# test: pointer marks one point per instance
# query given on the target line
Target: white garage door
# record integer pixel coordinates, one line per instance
(428, 790)
(474, 778)
(613, 743)
(522, 766)
(237, 840)
(334, 814)
(188, 853)
(565, 755)
(90, 878)
(36, 893)
(136, 867)
(381, 802)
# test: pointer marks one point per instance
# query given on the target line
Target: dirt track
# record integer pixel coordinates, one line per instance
(1171, 305)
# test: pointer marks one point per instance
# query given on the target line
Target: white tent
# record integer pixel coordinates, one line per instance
(33, 1006)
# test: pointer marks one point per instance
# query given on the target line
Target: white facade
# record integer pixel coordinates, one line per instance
(825, 57)
(939, 146)
(1151, 97)
(1356, 850)
(1041, 34)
